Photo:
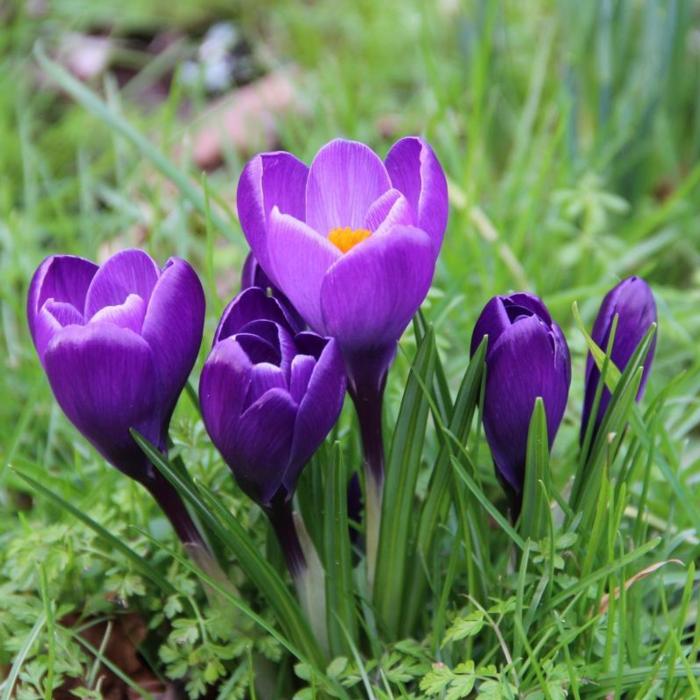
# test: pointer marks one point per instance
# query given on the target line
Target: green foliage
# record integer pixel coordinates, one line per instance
(570, 134)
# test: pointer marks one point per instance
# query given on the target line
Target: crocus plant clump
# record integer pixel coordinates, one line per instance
(352, 241)
(343, 253)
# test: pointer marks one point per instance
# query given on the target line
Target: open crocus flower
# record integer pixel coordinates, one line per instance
(527, 357)
(633, 303)
(350, 240)
(118, 342)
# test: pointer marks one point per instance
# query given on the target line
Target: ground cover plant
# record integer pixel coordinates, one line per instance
(506, 503)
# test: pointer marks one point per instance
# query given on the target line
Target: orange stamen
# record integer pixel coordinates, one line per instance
(344, 238)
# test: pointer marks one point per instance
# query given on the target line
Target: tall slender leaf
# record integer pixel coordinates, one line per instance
(340, 602)
(232, 535)
(398, 505)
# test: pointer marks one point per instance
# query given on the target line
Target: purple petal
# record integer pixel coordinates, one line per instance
(633, 301)
(104, 379)
(318, 411)
(369, 296)
(268, 180)
(53, 316)
(263, 377)
(129, 315)
(250, 305)
(258, 349)
(128, 272)
(63, 278)
(309, 343)
(415, 170)
(529, 302)
(261, 445)
(173, 327)
(223, 387)
(344, 179)
(300, 258)
(492, 322)
(523, 364)
(391, 209)
(301, 371)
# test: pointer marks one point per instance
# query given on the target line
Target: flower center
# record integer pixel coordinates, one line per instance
(346, 238)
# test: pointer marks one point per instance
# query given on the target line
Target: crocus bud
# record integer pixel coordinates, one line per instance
(269, 395)
(633, 303)
(118, 342)
(527, 358)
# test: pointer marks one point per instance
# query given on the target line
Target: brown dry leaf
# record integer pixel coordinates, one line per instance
(605, 600)
(119, 639)
(246, 119)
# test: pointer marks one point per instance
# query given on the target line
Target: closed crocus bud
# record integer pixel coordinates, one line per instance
(269, 397)
(633, 303)
(527, 358)
(117, 342)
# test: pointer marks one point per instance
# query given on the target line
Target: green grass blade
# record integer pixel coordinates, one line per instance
(229, 531)
(398, 504)
(340, 600)
(13, 675)
(534, 516)
(139, 563)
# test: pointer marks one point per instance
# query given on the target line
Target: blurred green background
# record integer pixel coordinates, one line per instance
(569, 131)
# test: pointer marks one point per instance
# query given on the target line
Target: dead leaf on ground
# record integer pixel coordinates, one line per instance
(246, 119)
(119, 640)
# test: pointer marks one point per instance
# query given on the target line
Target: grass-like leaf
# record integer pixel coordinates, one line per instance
(234, 537)
(142, 565)
(340, 601)
(534, 516)
(398, 504)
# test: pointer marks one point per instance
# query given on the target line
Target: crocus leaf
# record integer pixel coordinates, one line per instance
(232, 535)
(437, 499)
(535, 508)
(608, 438)
(340, 603)
(399, 492)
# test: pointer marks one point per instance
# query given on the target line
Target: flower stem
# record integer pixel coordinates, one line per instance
(171, 504)
(367, 393)
(303, 563)
(194, 544)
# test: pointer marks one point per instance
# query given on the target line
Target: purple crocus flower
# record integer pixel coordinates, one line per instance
(352, 242)
(117, 342)
(633, 303)
(527, 357)
(270, 395)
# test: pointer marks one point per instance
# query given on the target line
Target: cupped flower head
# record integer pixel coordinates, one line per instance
(527, 357)
(269, 395)
(633, 303)
(351, 240)
(117, 342)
